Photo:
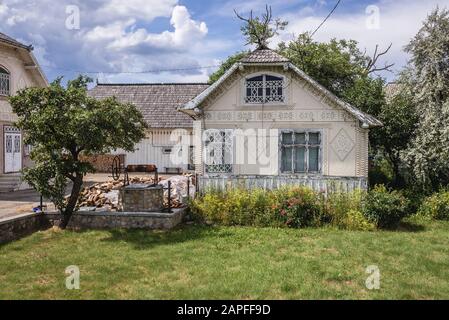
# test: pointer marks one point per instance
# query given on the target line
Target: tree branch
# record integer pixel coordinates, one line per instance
(372, 62)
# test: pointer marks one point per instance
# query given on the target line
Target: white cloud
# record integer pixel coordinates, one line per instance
(186, 31)
(3, 9)
(139, 9)
(115, 36)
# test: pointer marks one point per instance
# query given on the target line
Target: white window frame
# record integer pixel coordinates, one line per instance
(218, 164)
(5, 76)
(306, 154)
(264, 102)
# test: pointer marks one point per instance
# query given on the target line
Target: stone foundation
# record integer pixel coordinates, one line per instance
(23, 225)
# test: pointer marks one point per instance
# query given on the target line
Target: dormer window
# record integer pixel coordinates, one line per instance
(264, 89)
(4, 82)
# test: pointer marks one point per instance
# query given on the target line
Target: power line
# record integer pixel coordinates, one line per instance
(132, 72)
(328, 16)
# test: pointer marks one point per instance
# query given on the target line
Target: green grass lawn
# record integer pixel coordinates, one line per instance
(229, 263)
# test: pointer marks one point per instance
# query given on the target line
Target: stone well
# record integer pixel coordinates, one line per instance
(142, 198)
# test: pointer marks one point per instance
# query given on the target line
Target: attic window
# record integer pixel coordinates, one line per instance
(4, 82)
(264, 89)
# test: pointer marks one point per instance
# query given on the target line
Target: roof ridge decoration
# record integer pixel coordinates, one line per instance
(367, 120)
(264, 55)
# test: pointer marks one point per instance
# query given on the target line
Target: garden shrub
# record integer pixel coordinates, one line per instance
(291, 207)
(436, 206)
(299, 207)
(356, 220)
(343, 210)
(384, 208)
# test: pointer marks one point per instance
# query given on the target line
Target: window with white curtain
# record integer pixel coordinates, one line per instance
(5, 80)
(264, 89)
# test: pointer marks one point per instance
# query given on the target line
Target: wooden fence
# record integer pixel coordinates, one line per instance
(323, 184)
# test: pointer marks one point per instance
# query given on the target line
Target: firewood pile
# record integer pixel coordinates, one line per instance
(106, 195)
(178, 193)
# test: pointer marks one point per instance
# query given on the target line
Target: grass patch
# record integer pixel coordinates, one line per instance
(198, 262)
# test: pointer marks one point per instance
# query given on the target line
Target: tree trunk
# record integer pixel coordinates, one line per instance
(68, 212)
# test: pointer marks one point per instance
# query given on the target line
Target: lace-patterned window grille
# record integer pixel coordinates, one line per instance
(218, 148)
(4, 82)
(264, 89)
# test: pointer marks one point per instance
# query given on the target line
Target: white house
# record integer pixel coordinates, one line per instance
(18, 69)
(266, 123)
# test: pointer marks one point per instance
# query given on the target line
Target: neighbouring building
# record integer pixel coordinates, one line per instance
(158, 103)
(18, 69)
(265, 123)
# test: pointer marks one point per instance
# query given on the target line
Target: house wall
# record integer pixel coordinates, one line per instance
(344, 143)
(150, 149)
(13, 61)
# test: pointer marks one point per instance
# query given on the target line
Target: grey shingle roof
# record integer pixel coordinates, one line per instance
(157, 102)
(14, 42)
(263, 56)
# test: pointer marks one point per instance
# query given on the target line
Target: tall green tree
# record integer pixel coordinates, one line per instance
(428, 153)
(226, 65)
(61, 123)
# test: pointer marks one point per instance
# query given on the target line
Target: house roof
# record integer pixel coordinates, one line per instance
(267, 56)
(158, 102)
(26, 53)
(7, 39)
(264, 56)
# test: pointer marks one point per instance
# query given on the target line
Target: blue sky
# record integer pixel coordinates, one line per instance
(116, 37)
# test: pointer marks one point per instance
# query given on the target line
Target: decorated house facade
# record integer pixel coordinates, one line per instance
(265, 123)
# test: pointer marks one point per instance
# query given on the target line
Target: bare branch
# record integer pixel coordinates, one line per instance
(372, 62)
(259, 29)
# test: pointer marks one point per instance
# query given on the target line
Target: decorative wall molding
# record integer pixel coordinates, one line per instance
(304, 115)
(342, 144)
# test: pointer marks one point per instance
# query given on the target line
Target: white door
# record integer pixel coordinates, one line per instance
(13, 150)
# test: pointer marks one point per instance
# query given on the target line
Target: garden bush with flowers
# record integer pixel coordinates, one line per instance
(300, 207)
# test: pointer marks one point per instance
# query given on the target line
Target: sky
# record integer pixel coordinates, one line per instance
(116, 41)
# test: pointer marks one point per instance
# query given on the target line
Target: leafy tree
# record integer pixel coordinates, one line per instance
(428, 153)
(400, 121)
(61, 123)
(259, 30)
(226, 65)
